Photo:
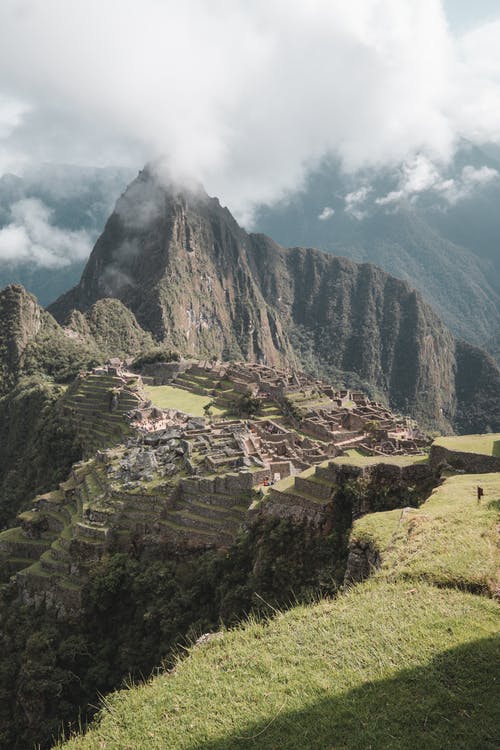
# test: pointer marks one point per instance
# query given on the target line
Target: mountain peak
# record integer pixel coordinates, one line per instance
(204, 287)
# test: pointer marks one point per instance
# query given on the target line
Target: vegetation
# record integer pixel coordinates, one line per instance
(37, 445)
(398, 661)
(138, 612)
(170, 397)
(487, 445)
(449, 541)
(116, 330)
(247, 406)
(53, 353)
(157, 354)
(379, 667)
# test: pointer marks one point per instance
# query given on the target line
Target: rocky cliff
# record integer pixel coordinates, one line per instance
(201, 284)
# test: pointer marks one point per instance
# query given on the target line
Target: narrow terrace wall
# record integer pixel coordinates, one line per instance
(471, 463)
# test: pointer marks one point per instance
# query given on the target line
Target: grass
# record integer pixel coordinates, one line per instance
(451, 540)
(486, 445)
(355, 458)
(381, 667)
(169, 397)
(407, 659)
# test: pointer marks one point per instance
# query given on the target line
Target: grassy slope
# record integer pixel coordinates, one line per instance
(355, 458)
(169, 397)
(451, 540)
(393, 663)
(378, 668)
(487, 445)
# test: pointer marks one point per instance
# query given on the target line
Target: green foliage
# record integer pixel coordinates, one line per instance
(37, 444)
(138, 612)
(247, 406)
(115, 329)
(61, 357)
(158, 354)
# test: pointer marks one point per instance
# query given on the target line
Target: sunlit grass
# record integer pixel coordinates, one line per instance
(487, 445)
(169, 397)
(381, 667)
(450, 540)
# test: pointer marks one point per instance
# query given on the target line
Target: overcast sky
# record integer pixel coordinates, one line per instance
(245, 95)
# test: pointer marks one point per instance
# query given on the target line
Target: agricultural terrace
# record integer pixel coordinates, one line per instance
(486, 445)
(169, 397)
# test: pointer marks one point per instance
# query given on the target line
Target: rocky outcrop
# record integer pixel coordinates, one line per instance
(202, 285)
(20, 321)
(362, 560)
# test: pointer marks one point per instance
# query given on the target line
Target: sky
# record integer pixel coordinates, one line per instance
(465, 14)
(246, 97)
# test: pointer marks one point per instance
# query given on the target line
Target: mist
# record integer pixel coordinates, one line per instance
(243, 97)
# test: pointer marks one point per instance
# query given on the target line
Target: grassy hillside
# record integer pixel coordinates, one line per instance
(451, 540)
(406, 659)
(487, 445)
(381, 667)
(169, 397)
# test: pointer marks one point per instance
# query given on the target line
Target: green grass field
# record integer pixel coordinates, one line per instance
(487, 445)
(407, 659)
(169, 397)
(451, 540)
(380, 667)
(355, 458)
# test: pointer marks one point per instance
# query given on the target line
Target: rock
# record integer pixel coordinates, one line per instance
(186, 447)
(190, 467)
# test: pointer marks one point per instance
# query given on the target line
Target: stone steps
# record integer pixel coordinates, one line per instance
(53, 565)
(89, 531)
(59, 550)
(188, 519)
(210, 498)
(207, 537)
(217, 512)
(312, 488)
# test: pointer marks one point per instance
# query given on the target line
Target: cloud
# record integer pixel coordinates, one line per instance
(326, 213)
(354, 201)
(421, 175)
(31, 238)
(244, 97)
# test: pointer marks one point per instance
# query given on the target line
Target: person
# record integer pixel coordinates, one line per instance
(480, 493)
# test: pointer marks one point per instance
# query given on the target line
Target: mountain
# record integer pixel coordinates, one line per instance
(442, 239)
(200, 284)
(51, 205)
(37, 358)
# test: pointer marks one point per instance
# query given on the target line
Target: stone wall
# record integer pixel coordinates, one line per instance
(163, 372)
(226, 484)
(470, 463)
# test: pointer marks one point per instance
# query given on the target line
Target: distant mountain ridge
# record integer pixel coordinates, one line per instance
(449, 251)
(199, 283)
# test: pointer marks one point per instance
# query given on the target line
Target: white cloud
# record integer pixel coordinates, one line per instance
(31, 238)
(420, 175)
(454, 190)
(12, 112)
(354, 201)
(326, 213)
(245, 96)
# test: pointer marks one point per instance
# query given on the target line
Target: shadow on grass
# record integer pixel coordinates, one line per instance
(452, 703)
(496, 448)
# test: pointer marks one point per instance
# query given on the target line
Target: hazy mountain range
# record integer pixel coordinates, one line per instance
(202, 285)
(437, 228)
